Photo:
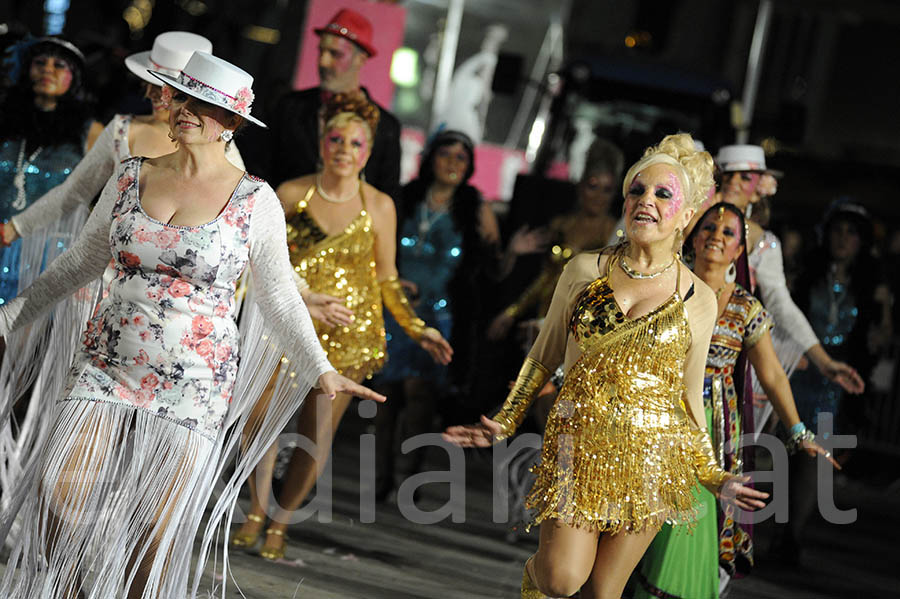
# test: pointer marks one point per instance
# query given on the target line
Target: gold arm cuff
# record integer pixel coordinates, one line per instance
(709, 473)
(532, 377)
(396, 302)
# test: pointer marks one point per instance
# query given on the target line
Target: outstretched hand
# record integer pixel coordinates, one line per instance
(734, 491)
(434, 343)
(333, 383)
(480, 434)
(844, 375)
(328, 309)
(812, 448)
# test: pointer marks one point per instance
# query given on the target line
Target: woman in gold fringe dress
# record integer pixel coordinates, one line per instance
(341, 236)
(622, 448)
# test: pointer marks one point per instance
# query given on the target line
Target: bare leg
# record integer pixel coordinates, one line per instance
(564, 559)
(260, 479)
(318, 421)
(617, 556)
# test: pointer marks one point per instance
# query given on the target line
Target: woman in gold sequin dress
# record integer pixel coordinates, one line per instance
(622, 447)
(341, 236)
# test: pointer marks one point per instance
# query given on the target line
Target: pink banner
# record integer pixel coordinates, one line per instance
(496, 167)
(388, 21)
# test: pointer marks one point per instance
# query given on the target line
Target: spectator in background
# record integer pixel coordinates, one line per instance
(746, 182)
(448, 236)
(838, 291)
(45, 129)
(291, 146)
(586, 228)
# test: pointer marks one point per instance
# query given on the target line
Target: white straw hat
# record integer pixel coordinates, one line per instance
(171, 51)
(744, 157)
(217, 82)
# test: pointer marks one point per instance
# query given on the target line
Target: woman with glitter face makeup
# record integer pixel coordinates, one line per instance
(342, 240)
(625, 440)
(683, 565)
(745, 181)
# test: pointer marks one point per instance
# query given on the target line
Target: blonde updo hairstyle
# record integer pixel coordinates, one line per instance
(694, 168)
(343, 109)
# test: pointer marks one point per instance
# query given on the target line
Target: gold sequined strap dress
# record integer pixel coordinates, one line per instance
(342, 265)
(619, 452)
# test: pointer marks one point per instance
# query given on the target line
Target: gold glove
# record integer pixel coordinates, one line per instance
(710, 474)
(532, 377)
(396, 302)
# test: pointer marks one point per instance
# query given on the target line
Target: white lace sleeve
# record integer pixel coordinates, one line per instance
(776, 297)
(276, 292)
(81, 264)
(234, 156)
(79, 188)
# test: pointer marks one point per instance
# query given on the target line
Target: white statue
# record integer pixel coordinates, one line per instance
(470, 89)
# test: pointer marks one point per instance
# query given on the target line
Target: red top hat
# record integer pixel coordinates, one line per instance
(353, 26)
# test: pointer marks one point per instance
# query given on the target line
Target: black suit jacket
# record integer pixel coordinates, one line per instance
(290, 147)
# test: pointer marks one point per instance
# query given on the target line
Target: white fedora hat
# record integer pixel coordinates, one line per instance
(171, 51)
(743, 157)
(215, 81)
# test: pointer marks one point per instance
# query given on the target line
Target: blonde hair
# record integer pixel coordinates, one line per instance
(693, 167)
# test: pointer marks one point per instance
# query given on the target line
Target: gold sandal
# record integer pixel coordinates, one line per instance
(246, 540)
(273, 554)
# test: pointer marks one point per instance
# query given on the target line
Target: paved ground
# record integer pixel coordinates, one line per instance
(395, 559)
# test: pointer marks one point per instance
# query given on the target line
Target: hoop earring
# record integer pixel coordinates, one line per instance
(731, 273)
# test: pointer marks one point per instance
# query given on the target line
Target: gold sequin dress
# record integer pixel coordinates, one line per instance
(618, 452)
(342, 265)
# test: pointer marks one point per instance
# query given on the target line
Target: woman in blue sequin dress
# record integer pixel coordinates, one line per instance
(447, 236)
(44, 131)
(837, 291)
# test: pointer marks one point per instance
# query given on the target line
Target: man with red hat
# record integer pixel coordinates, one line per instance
(292, 150)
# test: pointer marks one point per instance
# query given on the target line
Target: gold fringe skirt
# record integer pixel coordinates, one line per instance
(611, 462)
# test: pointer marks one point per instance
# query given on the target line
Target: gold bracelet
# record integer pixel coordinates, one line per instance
(532, 377)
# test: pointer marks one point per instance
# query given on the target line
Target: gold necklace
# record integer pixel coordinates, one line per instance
(329, 198)
(636, 274)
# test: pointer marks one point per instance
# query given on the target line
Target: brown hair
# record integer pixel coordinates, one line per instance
(343, 108)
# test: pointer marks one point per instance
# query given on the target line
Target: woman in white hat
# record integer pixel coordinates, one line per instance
(124, 136)
(155, 400)
(745, 182)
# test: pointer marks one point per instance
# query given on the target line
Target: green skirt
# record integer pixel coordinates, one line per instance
(682, 565)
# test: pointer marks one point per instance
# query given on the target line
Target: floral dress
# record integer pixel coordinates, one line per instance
(157, 396)
(164, 337)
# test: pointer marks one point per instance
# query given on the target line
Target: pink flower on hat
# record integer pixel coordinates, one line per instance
(243, 98)
(768, 185)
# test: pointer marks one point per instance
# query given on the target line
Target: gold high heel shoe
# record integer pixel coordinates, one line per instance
(529, 589)
(246, 540)
(273, 554)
